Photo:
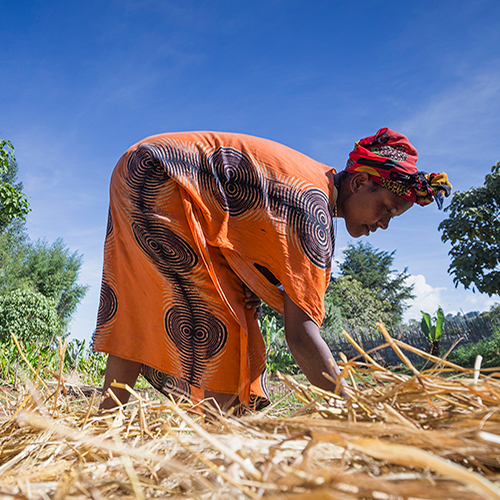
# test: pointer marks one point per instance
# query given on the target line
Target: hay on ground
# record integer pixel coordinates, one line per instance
(430, 434)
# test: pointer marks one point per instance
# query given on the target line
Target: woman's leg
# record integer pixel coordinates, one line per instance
(123, 371)
(225, 402)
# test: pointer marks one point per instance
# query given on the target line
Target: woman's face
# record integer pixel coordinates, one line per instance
(370, 206)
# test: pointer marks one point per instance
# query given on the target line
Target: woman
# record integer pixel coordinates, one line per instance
(200, 224)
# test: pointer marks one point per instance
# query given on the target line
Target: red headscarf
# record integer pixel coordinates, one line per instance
(390, 160)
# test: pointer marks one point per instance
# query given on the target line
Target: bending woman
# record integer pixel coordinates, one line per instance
(202, 223)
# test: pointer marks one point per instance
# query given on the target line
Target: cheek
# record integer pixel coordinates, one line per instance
(355, 227)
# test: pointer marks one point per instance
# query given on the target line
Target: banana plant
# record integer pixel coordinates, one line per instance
(433, 330)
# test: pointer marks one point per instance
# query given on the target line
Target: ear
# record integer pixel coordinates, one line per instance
(358, 181)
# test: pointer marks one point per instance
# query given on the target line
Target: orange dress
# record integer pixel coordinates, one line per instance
(192, 216)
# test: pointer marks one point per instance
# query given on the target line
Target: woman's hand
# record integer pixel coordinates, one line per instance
(309, 350)
(252, 301)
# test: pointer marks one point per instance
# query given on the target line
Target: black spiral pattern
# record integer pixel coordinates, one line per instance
(146, 170)
(166, 384)
(307, 214)
(257, 403)
(109, 227)
(108, 304)
(230, 177)
(313, 226)
(198, 336)
(168, 251)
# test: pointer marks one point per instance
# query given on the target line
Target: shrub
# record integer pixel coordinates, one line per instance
(30, 316)
(279, 357)
(489, 349)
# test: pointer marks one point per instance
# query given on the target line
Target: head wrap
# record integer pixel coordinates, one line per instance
(390, 160)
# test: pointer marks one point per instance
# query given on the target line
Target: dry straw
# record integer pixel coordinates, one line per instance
(405, 434)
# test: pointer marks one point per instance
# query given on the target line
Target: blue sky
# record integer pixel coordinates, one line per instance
(82, 81)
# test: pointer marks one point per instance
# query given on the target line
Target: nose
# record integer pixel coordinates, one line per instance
(384, 223)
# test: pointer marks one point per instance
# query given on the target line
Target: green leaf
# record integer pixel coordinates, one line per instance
(439, 323)
(426, 324)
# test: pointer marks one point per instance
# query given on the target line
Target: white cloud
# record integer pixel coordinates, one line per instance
(460, 124)
(478, 302)
(454, 301)
(426, 299)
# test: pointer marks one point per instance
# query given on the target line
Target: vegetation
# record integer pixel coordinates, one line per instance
(433, 329)
(473, 229)
(279, 357)
(29, 315)
(372, 269)
(49, 270)
(52, 271)
(39, 292)
(348, 300)
(87, 366)
(489, 349)
(13, 202)
(38, 283)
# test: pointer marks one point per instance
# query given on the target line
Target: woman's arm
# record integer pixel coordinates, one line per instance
(308, 348)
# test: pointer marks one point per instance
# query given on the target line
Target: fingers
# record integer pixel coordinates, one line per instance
(248, 293)
(252, 301)
(258, 312)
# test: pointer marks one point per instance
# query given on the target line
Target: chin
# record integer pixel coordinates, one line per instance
(357, 232)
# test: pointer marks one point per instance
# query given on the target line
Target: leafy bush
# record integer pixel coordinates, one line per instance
(13, 202)
(489, 349)
(358, 305)
(332, 324)
(30, 316)
(279, 357)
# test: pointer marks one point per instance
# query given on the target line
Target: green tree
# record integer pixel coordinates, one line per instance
(48, 269)
(53, 271)
(29, 315)
(358, 305)
(13, 202)
(13, 236)
(14, 243)
(493, 315)
(332, 324)
(372, 269)
(473, 229)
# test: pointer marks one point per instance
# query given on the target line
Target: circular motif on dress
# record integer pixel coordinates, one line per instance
(109, 228)
(234, 181)
(196, 332)
(108, 304)
(146, 168)
(313, 224)
(167, 250)
(167, 384)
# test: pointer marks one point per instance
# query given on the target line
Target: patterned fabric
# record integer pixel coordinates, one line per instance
(390, 160)
(192, 216)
